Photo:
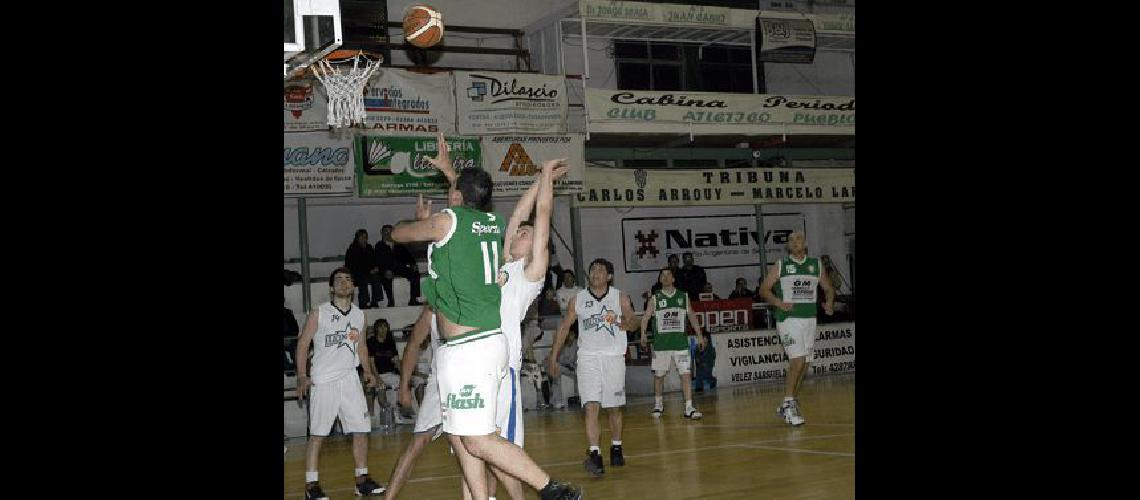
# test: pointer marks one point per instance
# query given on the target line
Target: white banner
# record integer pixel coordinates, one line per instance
(306, 106)
(623, 12)
(783, 40)
(500, 103)
(515, 160)
(758, 355)
(644, 111)
(318, 164)
(400, 102)
(625, 187)
(727, 240)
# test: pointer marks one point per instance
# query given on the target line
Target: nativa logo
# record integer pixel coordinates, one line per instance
(308, 157)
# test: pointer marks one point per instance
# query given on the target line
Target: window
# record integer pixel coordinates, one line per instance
(643, 65)
(726, 69)
(649, 66)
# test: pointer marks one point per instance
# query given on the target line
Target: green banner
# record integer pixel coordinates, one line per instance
(398, 166)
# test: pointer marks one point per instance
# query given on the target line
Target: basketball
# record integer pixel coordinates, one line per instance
(423, 26)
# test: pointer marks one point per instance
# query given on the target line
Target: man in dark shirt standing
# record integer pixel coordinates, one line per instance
(691, 277)
(360, 259)
(394, 260)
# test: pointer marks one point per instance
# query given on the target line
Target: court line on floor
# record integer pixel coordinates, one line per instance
(753, 444)
(797, 450)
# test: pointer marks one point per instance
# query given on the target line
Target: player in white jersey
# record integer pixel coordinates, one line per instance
(429, 421)
(604, 314)
(521, 279)
(336, 331)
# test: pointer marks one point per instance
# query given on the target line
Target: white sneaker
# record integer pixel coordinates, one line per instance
(692, 413)
(783, 407)
(657, 411)
(792, 414)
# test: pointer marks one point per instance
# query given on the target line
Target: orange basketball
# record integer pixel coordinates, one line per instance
(423, 25)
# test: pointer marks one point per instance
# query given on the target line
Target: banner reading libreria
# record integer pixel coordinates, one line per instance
(489, 102)
(515, 161)
(318, 164)
(613, 187)
(624, 111)
(398, 166)
(401, 102)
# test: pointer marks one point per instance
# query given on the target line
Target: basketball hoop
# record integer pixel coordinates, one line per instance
(345, 84)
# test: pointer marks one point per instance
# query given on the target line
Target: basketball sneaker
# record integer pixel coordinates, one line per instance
(782, 408)
(560, 491)
(692, 413)
(594, 463)
(616, 458)
(792, 414)
(657, 411)
(365, 486)
(313, 491)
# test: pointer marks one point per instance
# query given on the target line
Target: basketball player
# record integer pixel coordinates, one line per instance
(523, 276)
(463, 261)
(790, 287)
(601, 357)
(336, 331)
(668, 310)
(429, 421)
(428, 426)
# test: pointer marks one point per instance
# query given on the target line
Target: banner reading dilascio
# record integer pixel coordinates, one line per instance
(515, 160)
(318, 164)
(489, 102)
(398, 166)
(615, 187)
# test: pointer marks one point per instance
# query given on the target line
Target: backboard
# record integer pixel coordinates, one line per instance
(312, 30)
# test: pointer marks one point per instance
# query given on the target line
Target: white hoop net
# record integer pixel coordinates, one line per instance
(345, 88)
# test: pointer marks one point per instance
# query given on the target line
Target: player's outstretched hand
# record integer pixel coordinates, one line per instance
(442, 160)
(423, 210)
(552, 368)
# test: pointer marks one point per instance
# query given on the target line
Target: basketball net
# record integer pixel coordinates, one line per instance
(345, 87)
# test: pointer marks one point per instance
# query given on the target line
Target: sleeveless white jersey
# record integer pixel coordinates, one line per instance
(517, 295)
(595, 334)
(335, 343)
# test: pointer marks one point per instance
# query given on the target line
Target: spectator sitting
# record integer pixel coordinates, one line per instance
(709, 289)
(382, 348)
(568, 291)
(548, 304)
(394, 260)
(360, 259)
(741, 291)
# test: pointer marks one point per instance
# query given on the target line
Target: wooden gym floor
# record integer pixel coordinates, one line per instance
(740, 449)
